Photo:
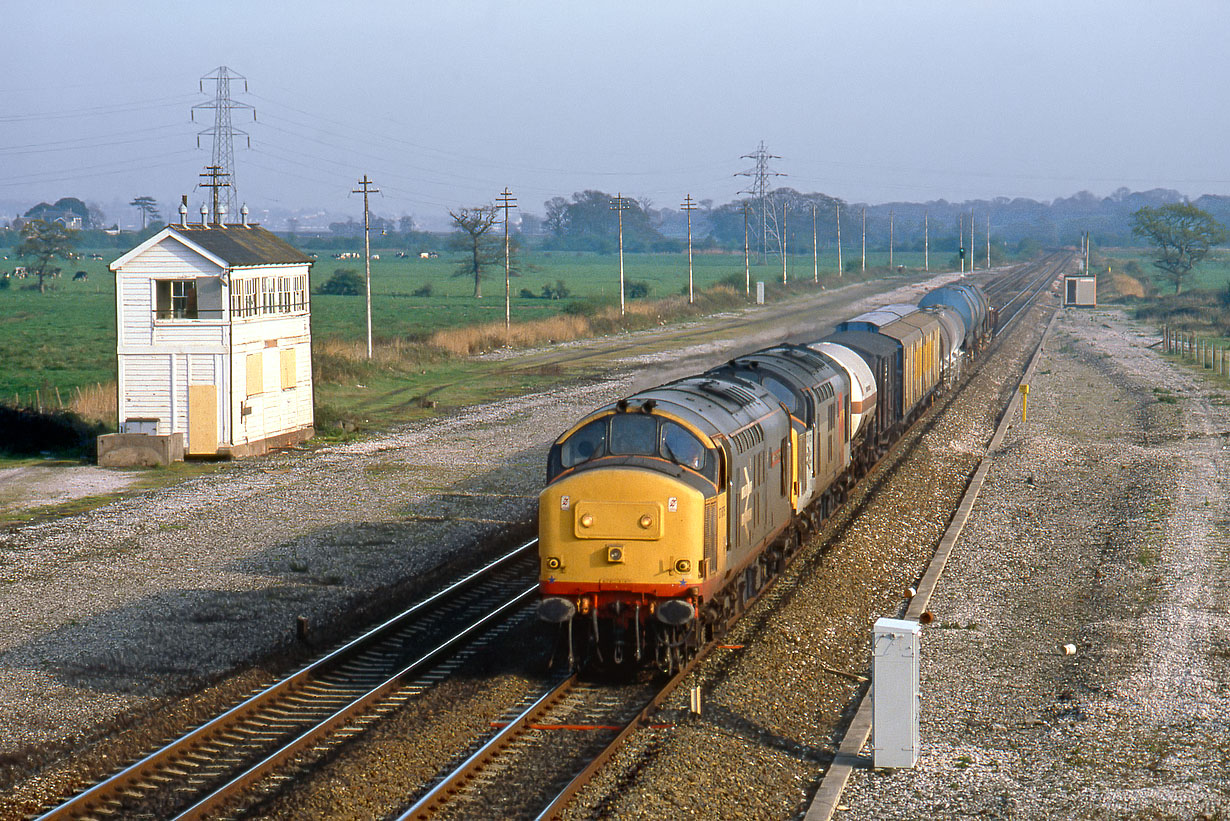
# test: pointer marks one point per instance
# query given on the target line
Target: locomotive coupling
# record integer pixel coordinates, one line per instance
(556, 609)
(675, 612)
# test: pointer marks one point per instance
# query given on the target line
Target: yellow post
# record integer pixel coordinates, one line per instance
(1024, 400)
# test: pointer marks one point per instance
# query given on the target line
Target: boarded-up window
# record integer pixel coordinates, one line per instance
(288, 369)
(256, 374)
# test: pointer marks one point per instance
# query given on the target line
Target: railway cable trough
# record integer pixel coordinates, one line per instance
(725, 657)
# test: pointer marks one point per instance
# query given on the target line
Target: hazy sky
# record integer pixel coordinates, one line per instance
(445, 103)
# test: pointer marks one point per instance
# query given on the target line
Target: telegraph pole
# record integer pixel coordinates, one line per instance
(619, 205)
(988, 242)
(864, 239)
(217, 181)
(747, 268)
(926, 243)
(837, 207)
(365, 188)
(689, 205)
(506, 201)
(815, 249)
(783, 240)
(890, 238)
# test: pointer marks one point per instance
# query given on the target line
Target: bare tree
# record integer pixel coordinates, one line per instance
(473, 236)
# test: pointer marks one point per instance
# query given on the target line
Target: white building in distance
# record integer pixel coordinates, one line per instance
(214, 339)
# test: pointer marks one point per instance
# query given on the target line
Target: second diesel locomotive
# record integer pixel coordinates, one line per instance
(665, 512)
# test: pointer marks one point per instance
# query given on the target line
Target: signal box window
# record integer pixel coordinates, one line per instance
(175, 299)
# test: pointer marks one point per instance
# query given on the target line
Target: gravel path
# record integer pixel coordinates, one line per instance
(1104, 523)
(113, 614)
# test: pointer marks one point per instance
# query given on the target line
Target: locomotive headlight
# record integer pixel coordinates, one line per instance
(683, 566)
(554, 563)
(646, 521)
(614, 554)
(587, 520)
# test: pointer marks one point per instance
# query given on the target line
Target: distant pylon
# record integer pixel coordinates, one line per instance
(223, 133)
(760, 188)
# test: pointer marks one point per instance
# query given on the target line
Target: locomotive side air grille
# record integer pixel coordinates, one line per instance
(710, 537)
(748, 438)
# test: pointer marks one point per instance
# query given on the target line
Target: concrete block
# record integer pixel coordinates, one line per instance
(127, 450)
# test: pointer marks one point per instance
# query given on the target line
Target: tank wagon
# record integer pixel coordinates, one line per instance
(666, 512)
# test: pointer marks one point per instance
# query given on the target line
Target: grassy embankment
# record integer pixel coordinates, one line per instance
(1127, 277)
(58, 348)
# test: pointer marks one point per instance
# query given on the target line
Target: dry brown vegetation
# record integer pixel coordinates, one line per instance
(96, 403)
(340, 361)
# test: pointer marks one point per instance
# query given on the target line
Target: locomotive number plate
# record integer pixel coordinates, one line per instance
(564, 502)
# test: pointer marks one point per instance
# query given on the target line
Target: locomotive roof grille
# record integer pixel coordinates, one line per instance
(732, 392)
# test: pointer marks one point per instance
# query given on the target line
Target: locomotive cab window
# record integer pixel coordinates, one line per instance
(634, 434)
(680, 446)
(587, 443)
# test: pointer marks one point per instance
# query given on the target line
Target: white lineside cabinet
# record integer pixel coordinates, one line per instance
(894, 693)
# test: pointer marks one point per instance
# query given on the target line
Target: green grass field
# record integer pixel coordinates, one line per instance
(1210, 275)
(65, 339)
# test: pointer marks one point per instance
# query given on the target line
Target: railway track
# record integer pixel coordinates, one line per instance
(558, 741)
(517, 751)
(250, 746)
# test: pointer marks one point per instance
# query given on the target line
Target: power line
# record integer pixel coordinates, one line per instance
(759, 189)
(223, 132)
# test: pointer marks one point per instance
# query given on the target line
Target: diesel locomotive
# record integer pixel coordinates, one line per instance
(666, 512)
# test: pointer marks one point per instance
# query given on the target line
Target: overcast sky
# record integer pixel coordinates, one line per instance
(444, 104)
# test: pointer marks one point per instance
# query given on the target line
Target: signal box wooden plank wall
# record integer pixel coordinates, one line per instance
(214, 339)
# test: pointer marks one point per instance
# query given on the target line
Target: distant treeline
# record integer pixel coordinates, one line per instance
(586, 222)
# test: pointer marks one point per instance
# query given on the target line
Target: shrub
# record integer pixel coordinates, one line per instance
(526, 293)
(636, 289)
(423, 291)
(344, 282)
(557, 291)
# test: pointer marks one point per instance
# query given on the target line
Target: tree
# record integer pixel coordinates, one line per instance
(473, 236)
(148, 207)
(43, 242)
(405, 224)
(1183, 235)
(344, 282)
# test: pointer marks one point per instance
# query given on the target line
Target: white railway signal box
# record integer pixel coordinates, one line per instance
(894, 692)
